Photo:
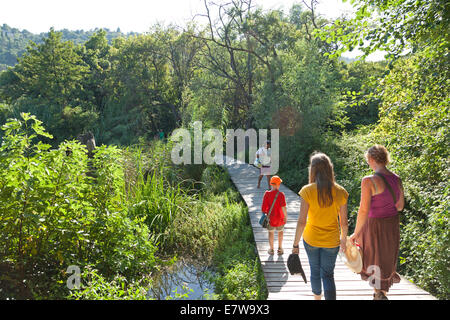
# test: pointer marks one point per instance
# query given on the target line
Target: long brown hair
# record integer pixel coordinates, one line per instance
(321, 172)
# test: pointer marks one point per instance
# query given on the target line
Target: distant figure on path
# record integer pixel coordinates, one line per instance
(323, 208)
(377, 228)
(278, 215)
(263, 154)
(88, 140)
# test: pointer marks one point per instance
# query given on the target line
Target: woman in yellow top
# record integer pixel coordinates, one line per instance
(323, 209)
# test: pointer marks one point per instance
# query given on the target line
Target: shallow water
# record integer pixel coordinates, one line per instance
(184, 280)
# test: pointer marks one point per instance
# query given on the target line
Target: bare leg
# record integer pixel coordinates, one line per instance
(259, 181)
(280, 240)
(317, 297)
(268, 182)
(271, 239)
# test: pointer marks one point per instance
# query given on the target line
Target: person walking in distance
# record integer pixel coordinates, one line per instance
(263, 155)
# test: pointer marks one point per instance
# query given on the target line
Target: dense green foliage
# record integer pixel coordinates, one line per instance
(413, 123)
(394, 26)
(239, 274)
(132, 88)
(246, 68)
(119, 224)
(14, 42)
(54, 214)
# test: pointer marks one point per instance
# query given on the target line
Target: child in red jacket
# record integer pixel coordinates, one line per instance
(278, 216)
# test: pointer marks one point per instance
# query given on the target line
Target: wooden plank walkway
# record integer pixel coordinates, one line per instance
(280, 284)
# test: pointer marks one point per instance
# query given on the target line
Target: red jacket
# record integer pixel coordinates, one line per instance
(277, 215)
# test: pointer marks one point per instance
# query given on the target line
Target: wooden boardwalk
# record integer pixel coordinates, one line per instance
(280, 284)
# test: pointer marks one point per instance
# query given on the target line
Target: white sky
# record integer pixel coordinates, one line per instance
(131, 15)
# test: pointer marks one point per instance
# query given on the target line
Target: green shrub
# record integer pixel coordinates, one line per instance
(216, 230)
(240, 282)
(239, 273)
(53, 214)
(200, 230)
(96, 287)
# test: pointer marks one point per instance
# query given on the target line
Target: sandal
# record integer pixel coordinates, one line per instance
(280, 251)
(270, 251)
(379, 296)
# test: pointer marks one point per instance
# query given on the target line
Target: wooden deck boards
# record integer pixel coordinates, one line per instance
(280, 284)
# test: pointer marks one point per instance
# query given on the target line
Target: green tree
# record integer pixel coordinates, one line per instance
(303, 104)
(52, 71)
(48, 81)
(394, 26)
(141, 87)
(96, 54)
(360, 82)
(241, 48)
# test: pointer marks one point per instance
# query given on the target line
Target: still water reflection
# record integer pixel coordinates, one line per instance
(183, 280)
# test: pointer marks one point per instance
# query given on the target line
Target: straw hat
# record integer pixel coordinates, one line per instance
(353, 258)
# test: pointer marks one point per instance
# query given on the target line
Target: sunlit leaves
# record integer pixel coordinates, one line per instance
(54, 213)
(393, 26)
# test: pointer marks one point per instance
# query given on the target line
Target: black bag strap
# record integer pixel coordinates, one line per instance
(391, 191)
(273, 203)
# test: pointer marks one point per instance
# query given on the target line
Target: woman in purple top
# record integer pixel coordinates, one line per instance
(377, 230)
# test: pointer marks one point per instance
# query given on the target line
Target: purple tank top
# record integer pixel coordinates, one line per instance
(382, 205)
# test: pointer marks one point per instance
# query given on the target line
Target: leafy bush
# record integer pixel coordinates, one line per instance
(216, 230)
(55, 214)
(60, 208)
(240, 282)
(200, 230)
(217, 181)
(239, 273)
(96, 287)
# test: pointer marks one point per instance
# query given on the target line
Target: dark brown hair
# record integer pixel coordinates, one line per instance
(321, 172)
(378, 153)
